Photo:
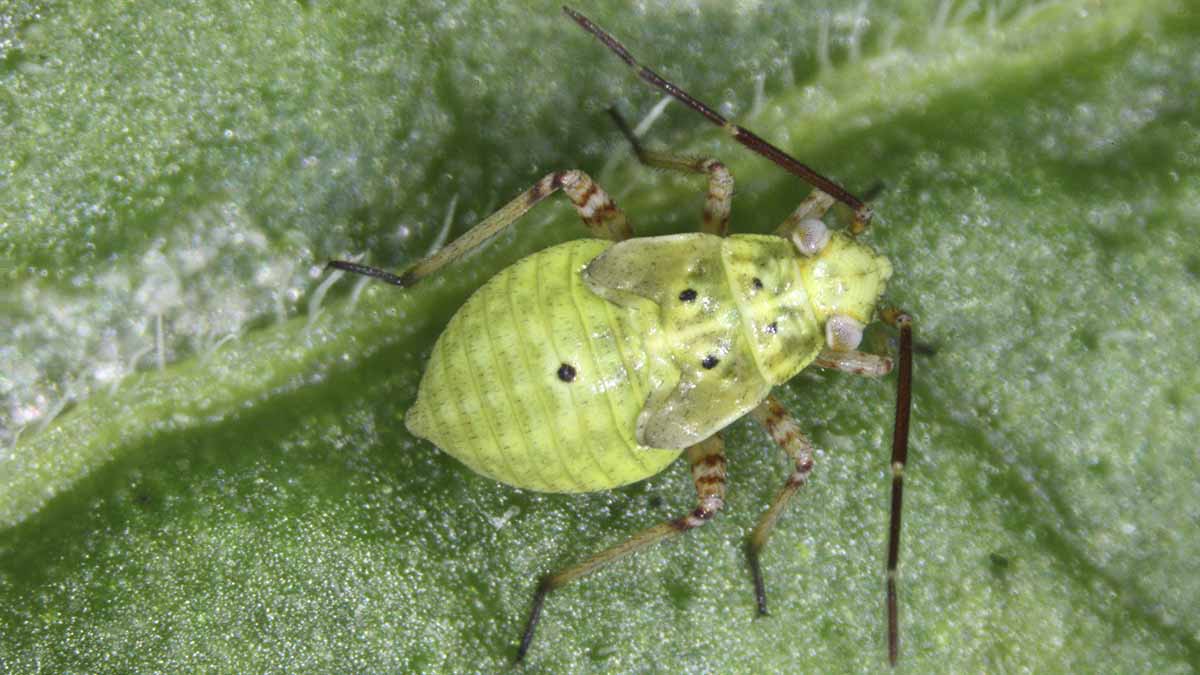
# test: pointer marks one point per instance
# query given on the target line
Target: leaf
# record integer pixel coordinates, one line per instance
(173, 182)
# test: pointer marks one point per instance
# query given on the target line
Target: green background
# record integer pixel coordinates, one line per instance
(202, 464)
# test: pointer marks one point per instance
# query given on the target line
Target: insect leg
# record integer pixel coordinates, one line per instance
(862, 212)
(707, 460)
(591, 202)
(814, 206)
(784, 431)
(720, 181)
(902, 321)
(874, 365)
(855, 362)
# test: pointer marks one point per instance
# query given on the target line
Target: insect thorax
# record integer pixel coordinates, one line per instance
(734, 320)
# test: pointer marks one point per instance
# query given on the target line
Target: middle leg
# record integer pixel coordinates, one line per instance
(784, 431)
(720, 181)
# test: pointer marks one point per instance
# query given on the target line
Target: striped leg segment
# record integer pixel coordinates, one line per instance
(592, 203)
(854, 362)
(720, 181)
(814, 207)
(707, 460)
(862, 212)
(784, 431)
(903, 322)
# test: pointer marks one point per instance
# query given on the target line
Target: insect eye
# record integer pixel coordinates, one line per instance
(710, 362)
(688, 295)
(843, 332)
(811, 236)
(758, 284)
(773, 328)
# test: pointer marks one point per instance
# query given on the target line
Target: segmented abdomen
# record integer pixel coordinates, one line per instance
(537, 382)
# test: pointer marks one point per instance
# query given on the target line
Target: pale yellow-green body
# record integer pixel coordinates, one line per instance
(654, 369)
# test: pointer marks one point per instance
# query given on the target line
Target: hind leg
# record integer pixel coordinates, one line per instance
(707, 460)
(591, 202)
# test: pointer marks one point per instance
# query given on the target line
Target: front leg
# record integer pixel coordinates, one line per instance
(874, 365)
(869, 365)
(854, 362)
(783, 430)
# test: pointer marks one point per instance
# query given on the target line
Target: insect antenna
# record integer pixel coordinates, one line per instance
(899, 458)
(862, 212)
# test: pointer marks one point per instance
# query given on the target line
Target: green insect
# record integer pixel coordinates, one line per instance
(596, 363)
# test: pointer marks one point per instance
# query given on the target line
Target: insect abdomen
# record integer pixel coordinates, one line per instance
(537, 382)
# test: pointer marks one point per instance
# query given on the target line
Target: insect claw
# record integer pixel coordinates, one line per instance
(368, 271)
(539, 597)
(760, 590)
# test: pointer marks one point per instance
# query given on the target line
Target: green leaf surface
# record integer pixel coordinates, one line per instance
(203, 465)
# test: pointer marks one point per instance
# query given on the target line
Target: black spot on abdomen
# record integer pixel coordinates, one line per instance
(566, 372)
